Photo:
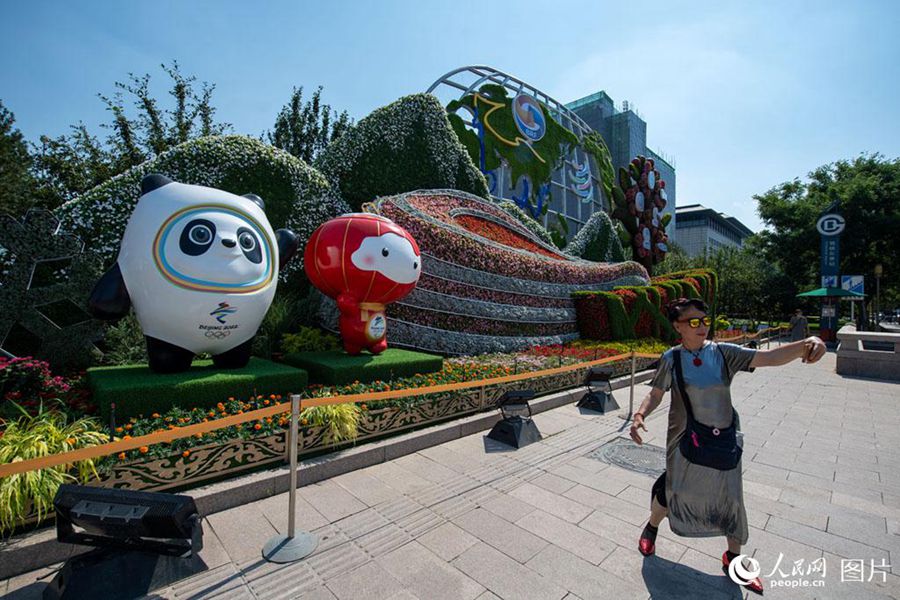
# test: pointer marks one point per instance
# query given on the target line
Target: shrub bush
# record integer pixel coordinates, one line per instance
(597, 240)
(124, 343)
(404, 146)
(309, 339)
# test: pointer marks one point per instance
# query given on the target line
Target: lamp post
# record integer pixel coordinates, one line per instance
(879, 271)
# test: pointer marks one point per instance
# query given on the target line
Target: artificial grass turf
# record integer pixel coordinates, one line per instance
(335, 367)
(137, 390)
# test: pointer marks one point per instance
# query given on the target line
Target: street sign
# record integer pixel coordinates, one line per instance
(853, 283)
(829, 280)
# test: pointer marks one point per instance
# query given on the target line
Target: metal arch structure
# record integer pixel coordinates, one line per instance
(484, 74)
(466, 80)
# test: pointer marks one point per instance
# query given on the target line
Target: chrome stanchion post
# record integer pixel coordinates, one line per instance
(631, 394)
(293, 546)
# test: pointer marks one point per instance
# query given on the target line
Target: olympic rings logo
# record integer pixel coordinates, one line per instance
(218, 335)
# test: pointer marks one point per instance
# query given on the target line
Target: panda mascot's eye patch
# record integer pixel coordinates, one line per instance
(250, 245)
(197, 237)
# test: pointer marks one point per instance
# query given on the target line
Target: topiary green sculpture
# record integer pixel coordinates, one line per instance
(404, 146)
(46, 280)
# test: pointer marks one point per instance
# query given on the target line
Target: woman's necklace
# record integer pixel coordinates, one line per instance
(696, 354)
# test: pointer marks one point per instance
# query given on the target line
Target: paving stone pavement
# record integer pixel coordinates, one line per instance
(473, 520)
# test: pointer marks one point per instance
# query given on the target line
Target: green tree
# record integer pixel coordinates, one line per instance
(867, 189)
(676, 260)
(16, 182)
(306, 128)
(69, 165)
(749, 286)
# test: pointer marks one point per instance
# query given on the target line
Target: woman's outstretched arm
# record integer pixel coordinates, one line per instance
(810, 350)
(647, 406)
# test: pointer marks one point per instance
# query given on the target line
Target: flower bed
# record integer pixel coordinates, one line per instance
(423, 214)
(478, 325)
(187, 462)
(475, 292)
(500, 234)
(233, 450)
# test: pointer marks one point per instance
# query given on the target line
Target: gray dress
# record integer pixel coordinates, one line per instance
(702, 501)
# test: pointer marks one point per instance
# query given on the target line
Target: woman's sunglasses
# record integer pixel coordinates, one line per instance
(695, 322)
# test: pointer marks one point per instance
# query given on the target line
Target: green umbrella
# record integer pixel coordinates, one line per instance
(831, 291)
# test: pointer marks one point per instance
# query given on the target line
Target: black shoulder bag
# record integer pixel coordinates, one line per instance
(704, 445)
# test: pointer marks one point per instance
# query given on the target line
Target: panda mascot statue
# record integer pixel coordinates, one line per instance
(200, 267)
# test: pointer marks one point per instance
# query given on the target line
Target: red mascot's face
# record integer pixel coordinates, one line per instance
(367, 256)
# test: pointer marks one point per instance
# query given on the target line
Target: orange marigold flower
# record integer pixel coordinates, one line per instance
(121, 456)
(144, 449)
(186, 453)
(278, 396)
(362, 407)
(266, 402)
(257, 427)
(128, 427)
(272, 396)
(211, 413)
(119, 430)
(230, 399)
(155, 415)
(304, 422)
(71, 441)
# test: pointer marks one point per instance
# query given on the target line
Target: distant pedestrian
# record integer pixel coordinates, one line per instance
(799, 326)
(701, 490)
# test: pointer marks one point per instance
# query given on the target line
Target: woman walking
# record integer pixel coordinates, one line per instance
(701, 489)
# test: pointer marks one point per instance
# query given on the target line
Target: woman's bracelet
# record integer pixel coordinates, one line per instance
(643, 416)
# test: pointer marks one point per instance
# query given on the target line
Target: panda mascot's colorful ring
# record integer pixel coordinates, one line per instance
(175, 277)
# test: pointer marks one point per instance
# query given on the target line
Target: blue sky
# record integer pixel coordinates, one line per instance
(743, 95)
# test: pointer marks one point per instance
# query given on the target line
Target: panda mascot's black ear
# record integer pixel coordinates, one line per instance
(256, 200)
(152, 182)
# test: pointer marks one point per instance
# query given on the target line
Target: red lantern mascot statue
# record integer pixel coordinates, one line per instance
(363, 261)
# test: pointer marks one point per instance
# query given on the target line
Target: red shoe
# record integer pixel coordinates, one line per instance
(647, 546)
(755, 585)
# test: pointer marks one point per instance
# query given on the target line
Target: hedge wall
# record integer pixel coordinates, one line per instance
(629, 312)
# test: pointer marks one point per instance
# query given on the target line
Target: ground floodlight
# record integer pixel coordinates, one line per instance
(599, 396)
(143, 540)
(516, 428)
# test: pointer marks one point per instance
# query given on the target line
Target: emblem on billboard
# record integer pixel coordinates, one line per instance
(529, 117)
